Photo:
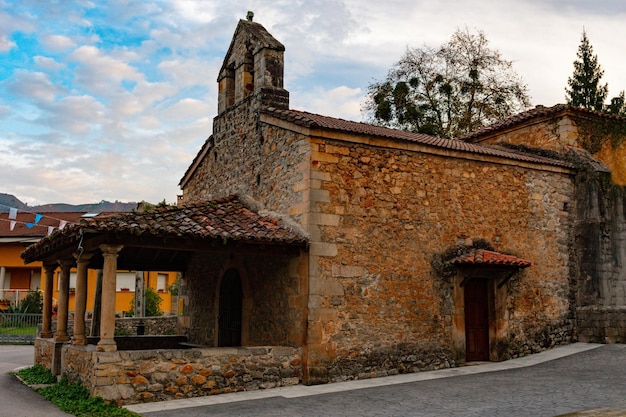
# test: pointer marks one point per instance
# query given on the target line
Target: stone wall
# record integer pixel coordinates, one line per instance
(48, 354)
(252, 159)
(129, 377)
(274, 297)
(601, 324)
(382, 216)
(600, 243)
(163, 325)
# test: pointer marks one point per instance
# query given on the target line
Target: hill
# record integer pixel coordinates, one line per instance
(9, 200)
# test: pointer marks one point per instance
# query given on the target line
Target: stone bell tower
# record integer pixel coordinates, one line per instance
(253, 65)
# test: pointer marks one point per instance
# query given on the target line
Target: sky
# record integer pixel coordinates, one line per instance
(112, 100)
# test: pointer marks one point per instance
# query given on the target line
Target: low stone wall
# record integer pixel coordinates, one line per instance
(48, 354)
(600, 324)
(129, 377)
(164, 325)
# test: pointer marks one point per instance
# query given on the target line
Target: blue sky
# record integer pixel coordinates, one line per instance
(111, 100)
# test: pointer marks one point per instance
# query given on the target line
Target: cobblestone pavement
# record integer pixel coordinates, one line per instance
(589, 383)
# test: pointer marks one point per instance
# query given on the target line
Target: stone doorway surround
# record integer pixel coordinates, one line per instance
(496, 269)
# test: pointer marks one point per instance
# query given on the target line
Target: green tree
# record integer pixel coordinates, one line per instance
(153, 304)
(447, 91)
(584, 88)
(617, 105)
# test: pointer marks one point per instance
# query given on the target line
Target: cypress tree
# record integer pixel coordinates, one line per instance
(584, 88)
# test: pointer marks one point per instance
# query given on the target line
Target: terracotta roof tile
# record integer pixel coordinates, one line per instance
(487, 257)
(311, 120)
(535, 113)
(226, 219)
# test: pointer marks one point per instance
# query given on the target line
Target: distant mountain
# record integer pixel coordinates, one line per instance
(9, 200)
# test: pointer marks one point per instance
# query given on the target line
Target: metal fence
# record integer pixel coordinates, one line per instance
(18, 327)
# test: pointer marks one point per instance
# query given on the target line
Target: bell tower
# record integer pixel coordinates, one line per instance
(253, 65)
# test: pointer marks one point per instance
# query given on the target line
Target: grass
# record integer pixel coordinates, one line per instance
(71, 398)
(19, 330)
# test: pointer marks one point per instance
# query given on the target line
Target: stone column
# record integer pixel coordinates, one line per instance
(107, 325)
(3, 272)
(97, 306)
(80, 305)
(46, 327)
(64, 295)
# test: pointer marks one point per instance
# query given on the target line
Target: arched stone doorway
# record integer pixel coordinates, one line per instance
(230, 309)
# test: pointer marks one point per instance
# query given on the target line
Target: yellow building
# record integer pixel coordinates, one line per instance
(17, 279)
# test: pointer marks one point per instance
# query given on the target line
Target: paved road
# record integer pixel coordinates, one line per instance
(16, 399)
(592, 379)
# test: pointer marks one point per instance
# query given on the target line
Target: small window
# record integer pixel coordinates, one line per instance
(125, 281)
(72, 280)
(161, 282)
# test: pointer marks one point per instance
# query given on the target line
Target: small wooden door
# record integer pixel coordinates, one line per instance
(476, 320)
(230, 310)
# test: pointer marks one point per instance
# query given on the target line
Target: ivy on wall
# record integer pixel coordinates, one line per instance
(441, 263)
(595, 132)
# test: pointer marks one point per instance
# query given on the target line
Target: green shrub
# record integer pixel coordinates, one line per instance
(76, 400)
(32, 303)
(36, 374)
(153, 304)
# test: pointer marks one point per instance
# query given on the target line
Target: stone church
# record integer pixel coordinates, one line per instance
(422, 252)
(371, 251)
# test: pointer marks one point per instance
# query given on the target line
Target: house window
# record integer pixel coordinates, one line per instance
(161, 282)
(72, 280)
(125, 281)
(35, 280)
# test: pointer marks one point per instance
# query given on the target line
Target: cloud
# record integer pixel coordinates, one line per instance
(57, 43)
(47, 64)
(96, 70)
(33, 86)
(186, 109)
(6, 44)
(342, 102)
(187, 72)
(76, 115)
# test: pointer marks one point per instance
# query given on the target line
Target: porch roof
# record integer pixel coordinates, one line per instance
(166, 237)
(487, 257)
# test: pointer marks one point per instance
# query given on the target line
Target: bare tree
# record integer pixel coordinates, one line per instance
(448, 91)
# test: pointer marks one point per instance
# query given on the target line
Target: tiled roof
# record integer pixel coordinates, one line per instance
(225, 219)
(487, 257)
(311, 120)
(538, 112)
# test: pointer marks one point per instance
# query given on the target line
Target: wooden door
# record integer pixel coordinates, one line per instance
(230, 310)
(476, 320)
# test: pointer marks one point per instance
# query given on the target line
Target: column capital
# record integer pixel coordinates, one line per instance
(110, 249)
(82, 257)
(66, 263)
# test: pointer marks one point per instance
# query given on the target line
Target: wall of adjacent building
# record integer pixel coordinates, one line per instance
(599, 241)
